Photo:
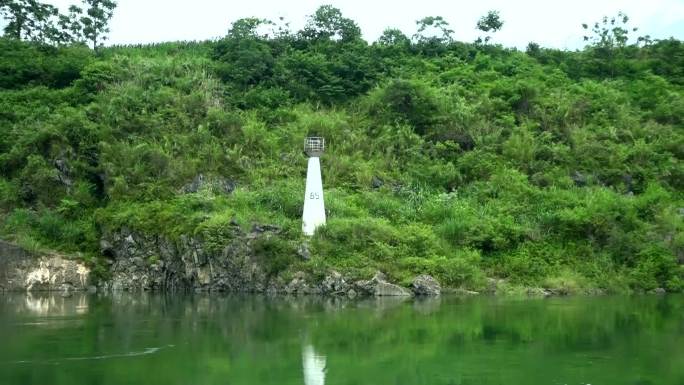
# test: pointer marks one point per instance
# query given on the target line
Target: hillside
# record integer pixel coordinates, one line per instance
(465, 161)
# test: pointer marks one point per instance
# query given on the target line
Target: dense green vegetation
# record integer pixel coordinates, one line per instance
(465, 161)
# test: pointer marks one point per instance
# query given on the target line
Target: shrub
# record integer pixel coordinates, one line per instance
(408, 101)
(657, 267)
(274, 253)
(458, 270)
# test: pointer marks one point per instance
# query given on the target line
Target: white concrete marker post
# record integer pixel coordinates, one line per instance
(314, 208)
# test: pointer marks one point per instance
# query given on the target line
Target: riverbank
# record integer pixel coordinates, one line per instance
(235, 271)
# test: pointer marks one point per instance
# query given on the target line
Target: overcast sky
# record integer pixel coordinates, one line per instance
(548, 22)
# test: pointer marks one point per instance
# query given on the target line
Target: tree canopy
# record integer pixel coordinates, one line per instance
(41, 22)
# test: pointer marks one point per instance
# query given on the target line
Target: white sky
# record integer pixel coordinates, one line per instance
(550, 23)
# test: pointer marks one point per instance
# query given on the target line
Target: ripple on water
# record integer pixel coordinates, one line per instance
(144, 352)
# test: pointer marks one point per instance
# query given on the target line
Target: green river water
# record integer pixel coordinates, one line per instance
(156, 339)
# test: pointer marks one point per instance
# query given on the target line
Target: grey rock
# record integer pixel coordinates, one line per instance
(61, 165)
(365, 287)
(464, 292)
(658, 290)
(579, 179)
(215, 184)
(376, 182)
(63, 174)
(12, 252)
(539, 292)
(226, 186)
(195, 185)
(303, 252)
(23, 271)
(334, 283)
(379, 276)
(629, 183)
(493, 285)
(312, 290)
(258, 229)
(297, 284)
(105, 246)
(425, 285)
(129, 240)
(157, 263)
(66, 290)
(386, 289)
(379, 287)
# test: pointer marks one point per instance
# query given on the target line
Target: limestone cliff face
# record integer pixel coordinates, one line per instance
(153, 262)
(140, 262)
(23, 271)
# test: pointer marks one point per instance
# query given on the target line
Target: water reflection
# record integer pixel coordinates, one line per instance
(314, 366)
(44, 304)
(39, 305)
(211, 339)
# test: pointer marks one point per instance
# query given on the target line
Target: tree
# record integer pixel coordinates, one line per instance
(16, 14)
(411, 102)
(69, 25)
(533, 49)
(28, 19)
(393, 37)
(248, 28)
(433, 35)
(491, 22)
(96, 20)
(607, 43)
(244, 56)
(36, 21)
(328, 23)
(610, 32)
(430, 28)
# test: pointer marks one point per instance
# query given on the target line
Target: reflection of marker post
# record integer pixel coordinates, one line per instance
(314, 208)
(314, 366)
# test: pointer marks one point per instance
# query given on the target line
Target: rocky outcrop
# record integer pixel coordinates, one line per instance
(23, 271)
(379, 287)
(658, 290)
(217, 185)
(140, 262)
(299, 285)
(539, 292)
(386, 289)
(334, 283)
(579, 179)
(425, 285)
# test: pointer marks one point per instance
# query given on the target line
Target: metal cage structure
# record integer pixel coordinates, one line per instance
(314, 146)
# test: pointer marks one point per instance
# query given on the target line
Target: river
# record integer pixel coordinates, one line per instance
(226, 339)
